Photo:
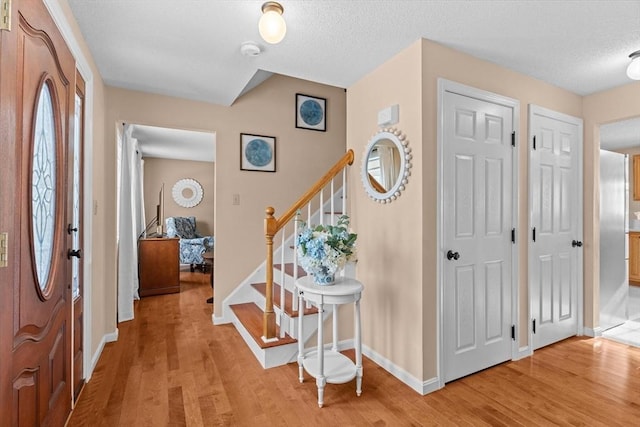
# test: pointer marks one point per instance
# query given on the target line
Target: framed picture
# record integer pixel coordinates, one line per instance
(311, 112)
(257, 153)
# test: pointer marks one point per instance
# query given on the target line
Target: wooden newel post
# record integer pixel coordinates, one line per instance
(269, 318)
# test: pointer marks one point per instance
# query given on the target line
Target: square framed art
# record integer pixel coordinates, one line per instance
(257, 153)
(311, 112)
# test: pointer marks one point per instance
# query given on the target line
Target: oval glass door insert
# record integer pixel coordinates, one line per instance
(43, 197)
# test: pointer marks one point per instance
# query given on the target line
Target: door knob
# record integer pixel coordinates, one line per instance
(74, 252)
(577, 243)
(453, 255)
(71, 229)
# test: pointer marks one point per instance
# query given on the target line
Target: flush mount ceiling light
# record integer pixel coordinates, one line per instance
(633, 70)
(272, 26)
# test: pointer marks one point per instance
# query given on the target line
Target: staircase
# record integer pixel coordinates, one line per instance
(264, 307)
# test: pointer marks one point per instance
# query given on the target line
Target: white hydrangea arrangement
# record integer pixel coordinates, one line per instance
(325, 249)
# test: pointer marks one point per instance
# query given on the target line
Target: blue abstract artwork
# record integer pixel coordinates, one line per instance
(258, 152)
(311, 112)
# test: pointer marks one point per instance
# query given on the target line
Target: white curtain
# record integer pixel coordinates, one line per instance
(130, 221)
(389, 165)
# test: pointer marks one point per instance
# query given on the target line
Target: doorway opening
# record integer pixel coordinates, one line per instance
(152, 162)
(620, 231)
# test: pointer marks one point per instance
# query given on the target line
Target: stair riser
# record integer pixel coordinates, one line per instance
(269, 357)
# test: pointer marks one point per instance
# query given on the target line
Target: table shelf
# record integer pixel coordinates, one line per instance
(338, 368)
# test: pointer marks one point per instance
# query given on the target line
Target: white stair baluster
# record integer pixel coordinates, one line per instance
(282, 250)
(333, 210)
(344, 191)
(308, 304)
(294, 302)
(321, 206)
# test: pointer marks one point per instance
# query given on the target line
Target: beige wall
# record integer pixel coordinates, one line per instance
(390, 246)
(600, 108)
(302, 156)
(168, 172)
(405, 316)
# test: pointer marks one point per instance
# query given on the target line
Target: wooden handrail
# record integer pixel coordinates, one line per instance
(346, 160)
(376, 185)
(273, 225)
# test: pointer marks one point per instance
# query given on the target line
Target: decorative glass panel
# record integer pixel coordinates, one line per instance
(75, 262)
(44, 186)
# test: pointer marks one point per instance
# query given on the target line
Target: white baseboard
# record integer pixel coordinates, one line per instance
(220, 320)
(522, 353)
(422, 387)
(595, 332)
(111, 337)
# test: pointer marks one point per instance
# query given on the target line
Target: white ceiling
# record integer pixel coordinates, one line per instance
(620, 135)
(175, 143)
(191, 48)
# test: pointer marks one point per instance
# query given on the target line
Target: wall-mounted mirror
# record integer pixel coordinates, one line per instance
(386, 164)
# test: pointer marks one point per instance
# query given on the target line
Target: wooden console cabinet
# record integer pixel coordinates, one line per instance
(158, 266)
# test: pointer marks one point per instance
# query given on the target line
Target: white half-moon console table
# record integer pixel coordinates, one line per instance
(329, 366)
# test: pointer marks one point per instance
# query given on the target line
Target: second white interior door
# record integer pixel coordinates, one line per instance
(555, 243)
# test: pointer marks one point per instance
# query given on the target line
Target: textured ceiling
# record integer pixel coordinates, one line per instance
(191, 48)
(620, 135)
(175, 143)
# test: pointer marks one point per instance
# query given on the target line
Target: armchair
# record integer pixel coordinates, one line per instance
(192, 244)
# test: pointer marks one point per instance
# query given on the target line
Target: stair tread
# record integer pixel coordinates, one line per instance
(262, 288)
(288, 269)
(251, 317)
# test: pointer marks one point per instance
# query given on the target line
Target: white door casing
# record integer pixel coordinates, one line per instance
(555, 200)
(478, 194)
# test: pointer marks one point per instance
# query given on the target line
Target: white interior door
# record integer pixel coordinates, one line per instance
(555, 243)
(477, 193)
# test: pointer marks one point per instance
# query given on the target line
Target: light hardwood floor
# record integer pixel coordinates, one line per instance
(171, 366)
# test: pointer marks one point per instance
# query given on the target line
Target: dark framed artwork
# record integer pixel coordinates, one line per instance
(257, 153)
(311, 112)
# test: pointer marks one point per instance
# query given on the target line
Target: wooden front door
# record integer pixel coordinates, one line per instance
(37, 89)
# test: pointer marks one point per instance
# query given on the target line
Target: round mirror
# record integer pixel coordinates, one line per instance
(386, 164)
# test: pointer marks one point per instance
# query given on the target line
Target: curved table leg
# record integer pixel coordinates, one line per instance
(358, 349)
(321, 380)
(300, 336)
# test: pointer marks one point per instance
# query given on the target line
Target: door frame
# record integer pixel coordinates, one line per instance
(445, 86)
(90, 206)
(536, 109)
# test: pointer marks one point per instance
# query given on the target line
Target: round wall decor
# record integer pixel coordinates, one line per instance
(187, 192)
